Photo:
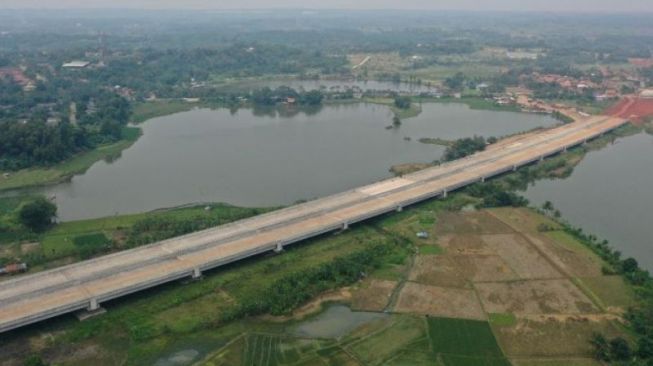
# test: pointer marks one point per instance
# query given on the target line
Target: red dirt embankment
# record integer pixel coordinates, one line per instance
(633, 108)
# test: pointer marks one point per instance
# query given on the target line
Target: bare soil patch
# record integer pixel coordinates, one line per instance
(479, 222)
(534, 297)
(464, 244)
(439, 301)
(578, 263)
(27, 248)
(547, 337)
(484, 268)
(438, 270)
(373, 295)
(521, 256)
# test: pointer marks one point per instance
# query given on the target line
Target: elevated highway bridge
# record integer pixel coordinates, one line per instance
(86, 285)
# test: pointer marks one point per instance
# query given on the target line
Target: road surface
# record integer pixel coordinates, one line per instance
(85, 285)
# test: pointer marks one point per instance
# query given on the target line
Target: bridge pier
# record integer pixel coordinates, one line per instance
(279, 248)
(514, 168)
(541, 158)
(93, 305)
(482, 179)
(94, 309)
(399, 209)
(197, 274)
(444, 194)
(345, 226)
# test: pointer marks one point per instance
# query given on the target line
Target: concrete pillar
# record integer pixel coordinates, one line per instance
(399, 209)
(564, 149)
(196, 273)
(345, 226)
(482, 179)
(93, 305)
(279, 248)
(444, 194)
(514, 168)
(541, 158)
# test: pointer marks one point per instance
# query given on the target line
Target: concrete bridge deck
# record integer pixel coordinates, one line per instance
(85, 285)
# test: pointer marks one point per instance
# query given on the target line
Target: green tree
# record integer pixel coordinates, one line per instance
(629, 265)
(455, 82)
(620, 349)
(645, 348)
(547, 206)
(38, 214)
(402, 102)
(396, 121)
(601, 347)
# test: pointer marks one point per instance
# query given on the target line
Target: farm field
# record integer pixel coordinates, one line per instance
(486, 287)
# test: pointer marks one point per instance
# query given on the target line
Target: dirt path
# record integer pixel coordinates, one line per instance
(362, 63)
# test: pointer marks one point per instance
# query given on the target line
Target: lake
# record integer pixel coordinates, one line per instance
(609, 195)
(335, 322)
(263, 158)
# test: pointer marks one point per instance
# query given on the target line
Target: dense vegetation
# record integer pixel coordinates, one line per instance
(464, 147)
(152, 229)
(39, 130)
(284, 94)
(290, 291)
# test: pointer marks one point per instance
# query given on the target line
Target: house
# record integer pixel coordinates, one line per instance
(53, 121)
(646, 94)
(76, 64)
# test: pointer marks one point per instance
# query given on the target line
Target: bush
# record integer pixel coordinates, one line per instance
(464, 147)
(91, 244)
(38, 214)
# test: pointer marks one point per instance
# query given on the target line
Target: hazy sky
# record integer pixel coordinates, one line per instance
(519, 5)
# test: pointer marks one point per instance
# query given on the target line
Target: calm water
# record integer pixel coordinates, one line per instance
(610, 194)
(335, 322)
(264, 159)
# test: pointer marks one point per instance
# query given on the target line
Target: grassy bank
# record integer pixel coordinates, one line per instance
(414, 110)
(78, 164)
(148, 110)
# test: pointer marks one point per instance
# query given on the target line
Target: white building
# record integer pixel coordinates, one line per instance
(75, 64)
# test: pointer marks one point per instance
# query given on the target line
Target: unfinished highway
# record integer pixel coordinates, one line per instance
(86, 285)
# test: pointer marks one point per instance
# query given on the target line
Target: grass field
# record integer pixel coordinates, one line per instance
(502, 319)
(463, 338)
(430, 250)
